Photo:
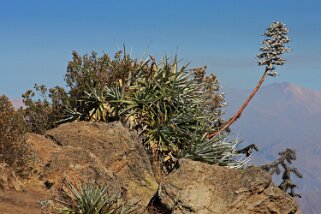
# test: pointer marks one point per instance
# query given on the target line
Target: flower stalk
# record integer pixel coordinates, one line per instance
(271, 55)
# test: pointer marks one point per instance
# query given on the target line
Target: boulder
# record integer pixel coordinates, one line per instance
(108, 153)
(78, 166)
(197, 187)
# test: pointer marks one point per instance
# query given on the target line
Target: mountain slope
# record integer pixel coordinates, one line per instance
(284, 115)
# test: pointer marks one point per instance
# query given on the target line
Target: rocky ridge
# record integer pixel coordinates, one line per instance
(113, 156)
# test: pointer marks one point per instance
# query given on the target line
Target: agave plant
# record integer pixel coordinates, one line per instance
(93, 199)
(93, 106)
(168, 106)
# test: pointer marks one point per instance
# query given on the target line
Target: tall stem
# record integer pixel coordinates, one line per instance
(237, 115)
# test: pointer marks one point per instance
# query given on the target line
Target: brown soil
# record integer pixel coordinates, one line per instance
(27, 202)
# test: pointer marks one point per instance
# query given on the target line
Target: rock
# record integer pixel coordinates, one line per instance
(197, 187)
(8, 179)
(79, 166)
(42, 147)
(105, 152)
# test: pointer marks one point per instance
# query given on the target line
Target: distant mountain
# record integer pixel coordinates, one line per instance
(17, 103)
(284, 115)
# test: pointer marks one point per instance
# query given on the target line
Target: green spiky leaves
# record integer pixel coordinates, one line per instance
(93, 199)
(173, 111)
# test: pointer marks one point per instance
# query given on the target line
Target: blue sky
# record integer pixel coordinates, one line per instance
(38, 36)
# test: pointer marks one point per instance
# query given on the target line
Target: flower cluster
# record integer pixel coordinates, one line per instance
(274, 47)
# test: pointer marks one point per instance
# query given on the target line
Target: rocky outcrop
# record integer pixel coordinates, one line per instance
(113, 156)
(197, 187)
(106, 152)
(83, 152)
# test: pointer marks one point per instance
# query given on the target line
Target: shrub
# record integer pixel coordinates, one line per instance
(13, 149)
(85, 77)
(43, 113)
(286, 158)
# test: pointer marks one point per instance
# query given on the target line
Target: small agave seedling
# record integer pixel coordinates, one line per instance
(93, 199)
(274, 46)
